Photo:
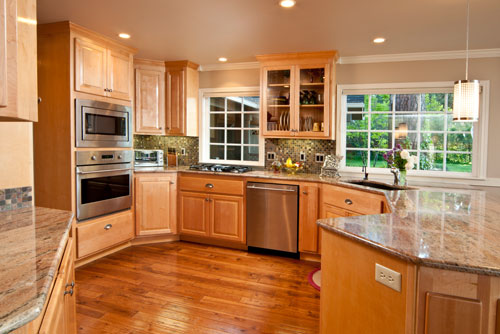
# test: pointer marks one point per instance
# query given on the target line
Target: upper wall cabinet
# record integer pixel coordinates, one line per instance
(182, 83)
(18, 60)
(149, 97)
(103, 71)
(297, 95)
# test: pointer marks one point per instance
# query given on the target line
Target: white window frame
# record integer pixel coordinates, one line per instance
(480, 134)
(204, 113)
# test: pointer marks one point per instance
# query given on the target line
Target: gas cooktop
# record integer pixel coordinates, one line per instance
(220, 168)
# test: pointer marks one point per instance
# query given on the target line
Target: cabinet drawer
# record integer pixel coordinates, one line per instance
(352, 200)
(104, 232)
(220, 185)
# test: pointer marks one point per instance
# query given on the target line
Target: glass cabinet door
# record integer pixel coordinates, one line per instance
(277, 102)
(313, 101)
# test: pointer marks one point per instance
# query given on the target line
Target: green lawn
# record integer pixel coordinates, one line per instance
(450, 167)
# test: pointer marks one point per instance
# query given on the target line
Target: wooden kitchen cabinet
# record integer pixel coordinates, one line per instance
(212, 208)
(308, 215)
(156, 204)
(149, 97)
(297, 95)
(18, 61)
(181, 98)
(342, 202)
(103, 71)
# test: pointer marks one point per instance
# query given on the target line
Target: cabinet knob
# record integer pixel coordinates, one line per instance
(93, 157)
(172, 182)
(305, 192)
(207, 199)
(348, 201)
(160, 128)
(72, 284)
(39, 100)
(209, 185)
(106, 90)
(110, 90)
(108, 226)
(70, 292)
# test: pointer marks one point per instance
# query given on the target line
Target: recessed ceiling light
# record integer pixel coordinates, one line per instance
(223, 59)
(379, 40)
(287, 3)
(124, 35)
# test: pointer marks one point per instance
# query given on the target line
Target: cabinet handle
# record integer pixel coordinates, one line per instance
(171, 182)
(305, 192)
(110, 90)
(207, 199)
(160, 128)
(108, 226)
(209, 185)
(70, 292)
(348, 201)
(106, 90)
(72, 285)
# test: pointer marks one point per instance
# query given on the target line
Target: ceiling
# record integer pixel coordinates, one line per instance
(204, 30)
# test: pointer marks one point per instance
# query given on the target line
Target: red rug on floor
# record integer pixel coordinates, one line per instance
(314, 278)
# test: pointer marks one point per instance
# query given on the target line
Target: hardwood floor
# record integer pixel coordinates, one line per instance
(189, 288)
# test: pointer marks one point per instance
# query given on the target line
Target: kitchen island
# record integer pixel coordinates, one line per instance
(32, 244)
(445, 243)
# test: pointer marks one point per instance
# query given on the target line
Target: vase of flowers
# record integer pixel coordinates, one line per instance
(400, 161)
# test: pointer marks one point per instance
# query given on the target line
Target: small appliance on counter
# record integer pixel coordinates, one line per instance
(148, 158)
(172, 157)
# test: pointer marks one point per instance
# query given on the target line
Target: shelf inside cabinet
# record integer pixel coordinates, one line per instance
(312, 105)
(312, 83)
(286, 85)
(278, 105)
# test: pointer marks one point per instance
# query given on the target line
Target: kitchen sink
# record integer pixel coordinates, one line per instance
(378, 185)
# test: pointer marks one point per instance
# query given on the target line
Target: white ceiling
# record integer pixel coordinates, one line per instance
(203, 30)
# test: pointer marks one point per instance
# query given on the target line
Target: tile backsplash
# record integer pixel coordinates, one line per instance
(190, 144)
(283, 149)
(16, 198)
(291, 148)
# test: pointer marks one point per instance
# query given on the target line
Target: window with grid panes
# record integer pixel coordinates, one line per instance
(422, 123)
(233, 129)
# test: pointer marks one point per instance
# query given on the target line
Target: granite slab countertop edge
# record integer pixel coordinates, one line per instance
(19, 320)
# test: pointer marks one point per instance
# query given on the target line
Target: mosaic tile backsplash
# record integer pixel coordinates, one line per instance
(291, 148)
(16, 198)
(190, 144)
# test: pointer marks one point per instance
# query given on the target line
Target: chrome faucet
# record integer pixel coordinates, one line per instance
(397, 175)
(364, 169)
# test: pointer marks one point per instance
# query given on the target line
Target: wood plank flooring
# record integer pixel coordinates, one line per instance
(189, 288)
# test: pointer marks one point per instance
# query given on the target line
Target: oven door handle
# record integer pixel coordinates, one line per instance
(104, 171)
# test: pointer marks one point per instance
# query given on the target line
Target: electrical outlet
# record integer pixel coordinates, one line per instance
(319, 158)
(271, 155)
(183, 151)
(388, 277)
(302, 156)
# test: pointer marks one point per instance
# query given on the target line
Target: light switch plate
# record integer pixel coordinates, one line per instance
(302, 156)
(183, 151)
(319, 158)
(271, 155)
(388, 277)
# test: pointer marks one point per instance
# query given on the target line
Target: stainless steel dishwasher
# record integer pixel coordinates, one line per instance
(272, 211)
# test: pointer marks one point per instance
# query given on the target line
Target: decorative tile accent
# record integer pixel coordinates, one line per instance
(190, 144)
(16, 198)
(291, 148)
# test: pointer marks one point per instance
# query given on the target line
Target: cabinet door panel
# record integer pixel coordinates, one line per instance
(193, 213)
(308, 215)
(55, 315)
(90, 67)
(227, 219)
(149, 102)
(155, 205)
(330, 211)
(120, 75)
(69, 277)
(3, 55)
(175, 97)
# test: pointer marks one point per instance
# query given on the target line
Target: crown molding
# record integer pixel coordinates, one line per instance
(230, 66)
(419, 56)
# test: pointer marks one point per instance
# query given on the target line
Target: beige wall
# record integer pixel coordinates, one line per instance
(417, 71)
(16, 155)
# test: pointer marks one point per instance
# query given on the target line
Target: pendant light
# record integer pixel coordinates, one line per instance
(466, 92)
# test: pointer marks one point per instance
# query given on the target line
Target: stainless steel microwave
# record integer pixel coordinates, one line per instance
(101, 124)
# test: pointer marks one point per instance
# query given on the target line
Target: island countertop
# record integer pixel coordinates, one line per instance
(32, 242)
(456, 229)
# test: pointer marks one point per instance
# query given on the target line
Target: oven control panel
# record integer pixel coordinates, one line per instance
(84, 158)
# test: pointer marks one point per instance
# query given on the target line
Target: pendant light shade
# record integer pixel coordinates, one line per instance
(466, 101)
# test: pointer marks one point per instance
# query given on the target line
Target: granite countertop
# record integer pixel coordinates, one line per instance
(456, 229)
(32, 242)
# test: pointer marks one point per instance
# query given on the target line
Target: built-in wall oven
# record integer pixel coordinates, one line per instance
(103, 182)
(100, 124)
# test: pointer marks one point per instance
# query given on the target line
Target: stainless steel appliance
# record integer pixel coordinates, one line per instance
(272, 211)
(103, 182)
(220, 168)
(148, 158)
(100, 124)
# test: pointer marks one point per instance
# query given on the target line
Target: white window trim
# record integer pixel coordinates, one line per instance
(480, 148)
(204, 116)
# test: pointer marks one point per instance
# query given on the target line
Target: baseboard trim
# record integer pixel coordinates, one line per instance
(145, 240)
(212, 242)
(96, 256)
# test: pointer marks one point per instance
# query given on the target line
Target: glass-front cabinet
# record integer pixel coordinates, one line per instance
(296, 95)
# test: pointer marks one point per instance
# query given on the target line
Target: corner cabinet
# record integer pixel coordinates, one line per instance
(181, 98)
(18, 61)
(149, 97)
(297, 95)
(156, 204)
